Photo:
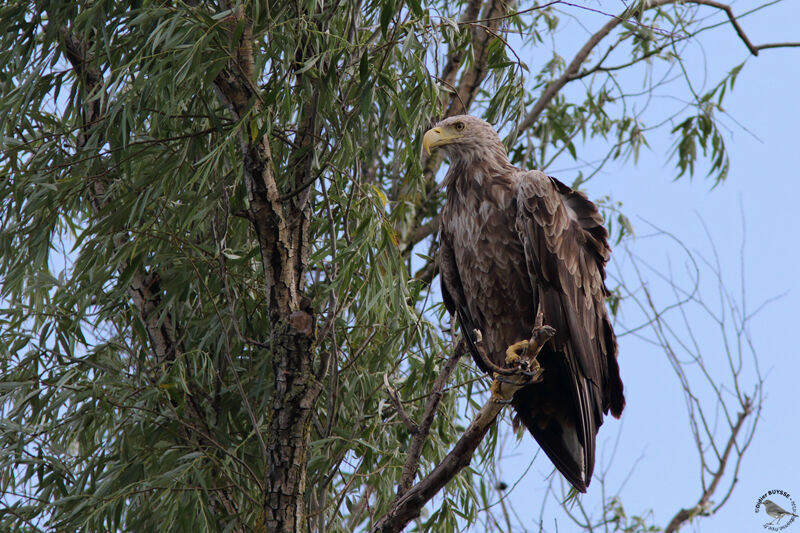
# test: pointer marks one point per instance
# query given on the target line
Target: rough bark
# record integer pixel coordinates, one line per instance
(290, 429)
(281, 228)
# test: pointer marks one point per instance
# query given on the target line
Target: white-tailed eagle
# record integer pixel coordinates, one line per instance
(514, 244)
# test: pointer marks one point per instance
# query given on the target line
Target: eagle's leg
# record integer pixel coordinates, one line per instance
(539, 335)
(522, 357)
(532, 347)
(497, 394)
(512, 355)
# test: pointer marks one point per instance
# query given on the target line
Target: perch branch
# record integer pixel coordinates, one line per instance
(408, 504)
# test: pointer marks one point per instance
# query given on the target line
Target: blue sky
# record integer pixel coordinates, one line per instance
(756, 207)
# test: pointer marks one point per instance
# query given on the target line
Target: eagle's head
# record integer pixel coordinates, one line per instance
(465, 138)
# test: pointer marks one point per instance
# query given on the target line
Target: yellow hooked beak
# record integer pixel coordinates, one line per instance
(437, 137)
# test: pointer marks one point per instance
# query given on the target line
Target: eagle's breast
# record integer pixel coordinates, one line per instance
(479, 218)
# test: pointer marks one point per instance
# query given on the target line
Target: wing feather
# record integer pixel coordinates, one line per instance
(565, 251)
(453, 293)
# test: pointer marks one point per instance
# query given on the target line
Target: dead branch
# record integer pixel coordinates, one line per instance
(720, 455)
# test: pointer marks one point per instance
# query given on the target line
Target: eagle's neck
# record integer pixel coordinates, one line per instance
(469, 169)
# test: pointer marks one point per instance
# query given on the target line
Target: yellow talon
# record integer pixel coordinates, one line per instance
(495, 389)
(497, 393)
(511, 353)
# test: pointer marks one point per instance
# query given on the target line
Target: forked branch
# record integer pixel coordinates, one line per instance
(702, 505)
(573, 70)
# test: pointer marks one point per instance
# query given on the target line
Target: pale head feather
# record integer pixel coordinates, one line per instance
(478, 143)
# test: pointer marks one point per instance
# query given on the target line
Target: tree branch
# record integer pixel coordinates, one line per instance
(238, 92)
(423, 429)
(482, 36)
(408, 505)
(553, 88)
(421, 232)
(410, 425)
(735, 23)
(143, 288)
(454, 60)
(572, 71)
(461, 101)
(684, 515)
(718, 458)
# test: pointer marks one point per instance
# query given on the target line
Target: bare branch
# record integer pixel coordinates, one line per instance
(778, 45)
(702, 505)
(735, 23)
(573, 70)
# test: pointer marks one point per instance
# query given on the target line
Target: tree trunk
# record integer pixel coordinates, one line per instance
(295, 393)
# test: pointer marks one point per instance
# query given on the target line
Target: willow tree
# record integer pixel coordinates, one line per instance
(218, 243)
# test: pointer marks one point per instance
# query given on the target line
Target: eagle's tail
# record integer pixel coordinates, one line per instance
(559, 439)
(563, 423)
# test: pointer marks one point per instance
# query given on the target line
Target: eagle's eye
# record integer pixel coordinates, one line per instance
(459, 126)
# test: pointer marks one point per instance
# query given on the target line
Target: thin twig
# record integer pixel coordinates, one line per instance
(411, 426)
(684, 515)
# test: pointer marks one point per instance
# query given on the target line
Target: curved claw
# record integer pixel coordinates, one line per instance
(501, 401)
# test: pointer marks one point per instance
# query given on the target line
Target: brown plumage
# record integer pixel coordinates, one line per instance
(513, 242)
